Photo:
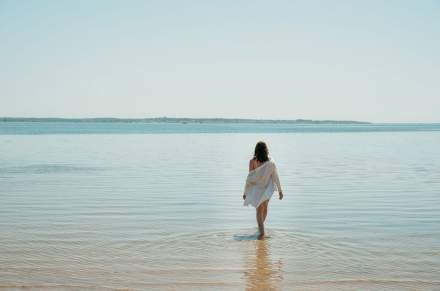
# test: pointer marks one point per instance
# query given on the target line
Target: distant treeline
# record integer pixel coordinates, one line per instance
(179, 120)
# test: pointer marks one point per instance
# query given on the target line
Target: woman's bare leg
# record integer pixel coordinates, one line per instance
(261, 214)
(260, 219)
(266, 205)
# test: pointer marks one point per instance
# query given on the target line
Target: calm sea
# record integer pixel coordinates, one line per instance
(158, 207)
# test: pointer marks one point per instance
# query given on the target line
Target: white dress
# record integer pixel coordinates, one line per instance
(261, 183)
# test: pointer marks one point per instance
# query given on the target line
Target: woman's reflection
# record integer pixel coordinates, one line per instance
(263, 274)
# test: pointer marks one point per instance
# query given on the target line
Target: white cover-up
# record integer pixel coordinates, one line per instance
(260, 184)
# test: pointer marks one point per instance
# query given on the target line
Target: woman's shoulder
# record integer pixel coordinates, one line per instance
(271, 162)
(253, 163)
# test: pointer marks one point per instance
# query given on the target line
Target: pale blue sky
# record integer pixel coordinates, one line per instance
(361, 60)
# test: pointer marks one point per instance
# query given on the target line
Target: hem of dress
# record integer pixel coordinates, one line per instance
(247, 205)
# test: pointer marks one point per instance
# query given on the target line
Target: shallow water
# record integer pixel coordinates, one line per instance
(164, 211)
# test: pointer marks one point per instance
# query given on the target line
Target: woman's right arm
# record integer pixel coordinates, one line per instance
(251, 167)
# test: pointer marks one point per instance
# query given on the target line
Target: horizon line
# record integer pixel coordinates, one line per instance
(196, 119)
(187, 119)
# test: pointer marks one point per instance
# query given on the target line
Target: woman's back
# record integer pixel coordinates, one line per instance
(254, 163)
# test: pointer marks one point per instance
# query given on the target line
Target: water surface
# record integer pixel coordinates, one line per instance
(164, 211)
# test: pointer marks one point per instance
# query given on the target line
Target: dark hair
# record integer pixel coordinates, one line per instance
(261, 152)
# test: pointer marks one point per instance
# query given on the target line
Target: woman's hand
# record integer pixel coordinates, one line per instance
(281, 195)
(244, 196)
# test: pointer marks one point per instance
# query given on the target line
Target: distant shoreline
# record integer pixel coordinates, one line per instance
(179, 120)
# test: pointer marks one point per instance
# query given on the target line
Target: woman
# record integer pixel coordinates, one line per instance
(260, 184)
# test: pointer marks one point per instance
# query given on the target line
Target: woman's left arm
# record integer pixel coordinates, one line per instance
(276, 179)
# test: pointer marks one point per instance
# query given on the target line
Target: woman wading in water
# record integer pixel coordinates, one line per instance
(261, 182)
